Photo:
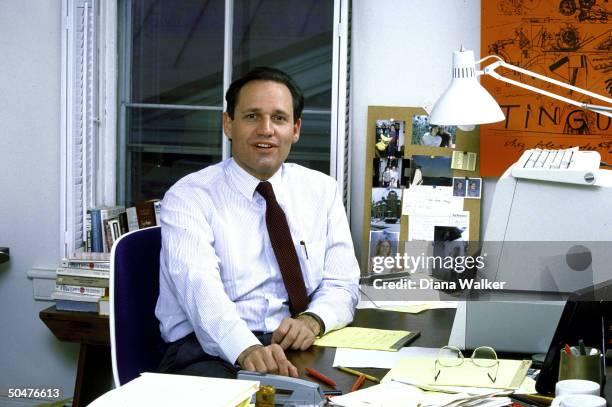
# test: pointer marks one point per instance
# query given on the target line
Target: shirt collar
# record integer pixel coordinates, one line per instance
(246, 183)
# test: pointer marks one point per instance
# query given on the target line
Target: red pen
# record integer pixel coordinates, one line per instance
(319, 376)
(358, 383)
(568, 351)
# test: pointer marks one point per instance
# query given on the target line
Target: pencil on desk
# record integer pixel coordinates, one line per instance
(358, 373)
(320, 376)
(358, 383)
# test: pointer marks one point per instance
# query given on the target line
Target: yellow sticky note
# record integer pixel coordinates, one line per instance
(366, 338)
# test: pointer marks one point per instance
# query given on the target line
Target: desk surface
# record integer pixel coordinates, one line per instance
(434, 325)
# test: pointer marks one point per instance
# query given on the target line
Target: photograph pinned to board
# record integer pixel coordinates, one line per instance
(391, 173)
(459, 186)
(474, 188)
(386, 209)
(464, 160)
(389, 138)
(422, 227)
(432, 135)
(433, 170)
(383, 244)
(451, 247)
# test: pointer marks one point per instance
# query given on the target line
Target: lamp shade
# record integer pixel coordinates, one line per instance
(465, 102)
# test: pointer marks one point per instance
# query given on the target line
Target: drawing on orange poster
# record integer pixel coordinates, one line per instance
(568, 40)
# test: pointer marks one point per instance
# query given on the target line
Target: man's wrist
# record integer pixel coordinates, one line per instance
(314, 322)
(245, 353)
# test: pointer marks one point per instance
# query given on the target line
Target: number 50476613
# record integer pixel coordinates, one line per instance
(34, 392)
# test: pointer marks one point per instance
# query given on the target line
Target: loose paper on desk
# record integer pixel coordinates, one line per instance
(409, 307)
(392, 394)
(366, 338)
(380, 359)
(427, 200)
(396, 394)
(421, 227)
(510, 375)
(156, 389)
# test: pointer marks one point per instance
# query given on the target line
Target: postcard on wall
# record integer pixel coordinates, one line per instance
(474, 188)
(433, 170)
(386, 209)
(422, 227)
(382, 244)
(429, 200)
(389, 138)
(432, 135)
(464, 160)
(391, 172)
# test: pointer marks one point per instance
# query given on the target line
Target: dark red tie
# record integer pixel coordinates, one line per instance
(284, 250)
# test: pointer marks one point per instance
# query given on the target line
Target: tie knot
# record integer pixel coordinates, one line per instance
(265, 189)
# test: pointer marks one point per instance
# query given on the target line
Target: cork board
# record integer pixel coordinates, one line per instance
(464, 141)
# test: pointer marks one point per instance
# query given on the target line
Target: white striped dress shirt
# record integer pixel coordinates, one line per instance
(218, 274)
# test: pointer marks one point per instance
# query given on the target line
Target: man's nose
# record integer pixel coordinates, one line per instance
(264, 127)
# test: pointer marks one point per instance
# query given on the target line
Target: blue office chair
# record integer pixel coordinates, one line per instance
(136, 343)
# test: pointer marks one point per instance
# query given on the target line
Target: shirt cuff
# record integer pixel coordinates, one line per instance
(317, 319)
(236, 341)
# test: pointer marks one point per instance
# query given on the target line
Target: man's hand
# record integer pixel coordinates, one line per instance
(267, 359)
(296, 334)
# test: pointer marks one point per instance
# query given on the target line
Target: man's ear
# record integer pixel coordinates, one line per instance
(227, 125)
(296, 130)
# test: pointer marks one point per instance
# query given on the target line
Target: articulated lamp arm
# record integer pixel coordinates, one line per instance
(490, 70)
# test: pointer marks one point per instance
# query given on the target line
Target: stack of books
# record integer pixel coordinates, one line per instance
(105, 224)
(81, 283)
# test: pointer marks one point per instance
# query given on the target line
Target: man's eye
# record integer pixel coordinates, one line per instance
(250, 116)
(280, 118)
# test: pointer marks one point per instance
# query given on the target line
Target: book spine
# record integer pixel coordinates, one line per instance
(157, 210)
(105, 214)
(84, 281)
(87, 236)
(146, 214)
(79, 306)
(115, 229)
(96, 230)
(104, 266)
(132, 218)
(80, 289)
(107, 236)
(63, 295)
(82, 272)
(123, 222)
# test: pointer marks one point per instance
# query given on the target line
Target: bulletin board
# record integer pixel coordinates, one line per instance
(466, 141)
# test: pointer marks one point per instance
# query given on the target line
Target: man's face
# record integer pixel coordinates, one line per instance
(263, 129)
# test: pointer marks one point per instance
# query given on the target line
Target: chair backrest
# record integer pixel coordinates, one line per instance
(136, 343)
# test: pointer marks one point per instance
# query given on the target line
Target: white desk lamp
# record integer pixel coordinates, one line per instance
(466, 102)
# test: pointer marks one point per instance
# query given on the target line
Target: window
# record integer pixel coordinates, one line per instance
(177, 57)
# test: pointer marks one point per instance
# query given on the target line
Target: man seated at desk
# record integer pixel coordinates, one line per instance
(257, 256)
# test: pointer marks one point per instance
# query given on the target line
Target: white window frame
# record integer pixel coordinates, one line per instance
(96, 181)
(109, 154)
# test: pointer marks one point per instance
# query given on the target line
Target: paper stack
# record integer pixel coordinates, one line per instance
(156, 389)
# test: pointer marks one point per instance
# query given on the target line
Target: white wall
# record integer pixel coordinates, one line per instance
(401, 56)
(30, 51)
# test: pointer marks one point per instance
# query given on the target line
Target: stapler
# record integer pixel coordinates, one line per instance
(289, 390)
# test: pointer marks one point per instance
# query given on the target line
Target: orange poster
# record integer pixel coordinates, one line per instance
(567, 40)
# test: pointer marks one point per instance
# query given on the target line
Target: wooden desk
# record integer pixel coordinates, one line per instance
(434, 325)
(91, 331)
